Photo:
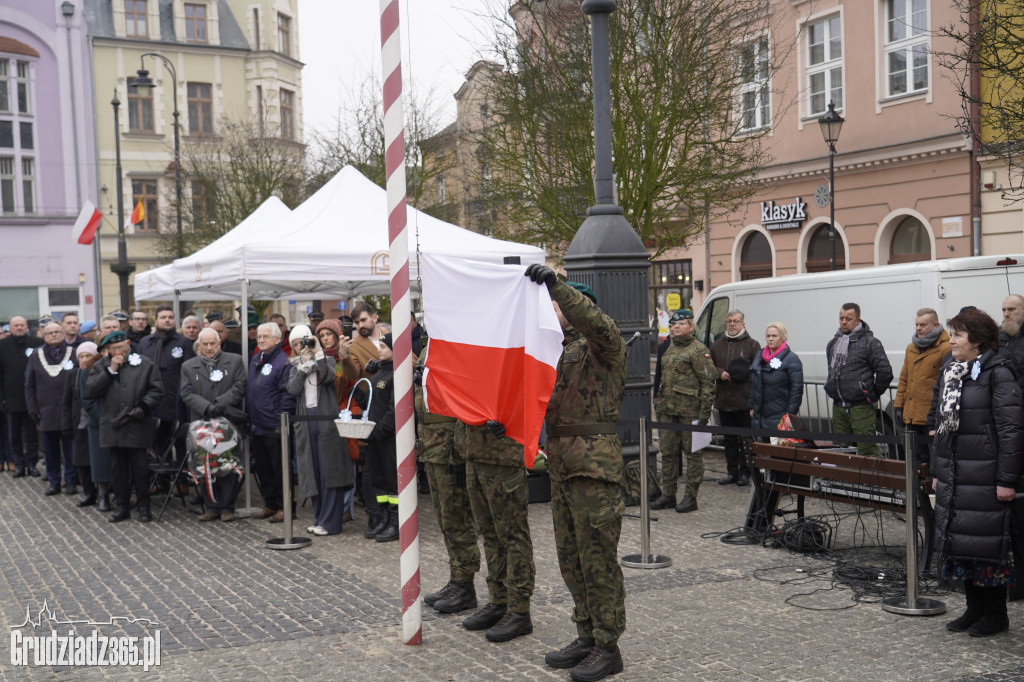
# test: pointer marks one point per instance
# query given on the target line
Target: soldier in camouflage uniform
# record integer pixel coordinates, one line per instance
(496, 482)
(686, 392)
(446, 473)
(585, 460)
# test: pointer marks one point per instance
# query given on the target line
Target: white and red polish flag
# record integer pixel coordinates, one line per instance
(494, 346)
(88, 222)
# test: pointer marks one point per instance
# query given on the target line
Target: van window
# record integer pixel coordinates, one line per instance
(711, 324)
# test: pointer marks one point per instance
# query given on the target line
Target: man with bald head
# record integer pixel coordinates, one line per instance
(14, 352)
(1010, 336)
(45, 376)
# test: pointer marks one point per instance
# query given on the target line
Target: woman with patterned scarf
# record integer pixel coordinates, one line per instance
(977, 419)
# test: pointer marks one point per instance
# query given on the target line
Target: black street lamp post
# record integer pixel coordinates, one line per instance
(144, 86)
(831, 123)
(606, 252)
(122, 268)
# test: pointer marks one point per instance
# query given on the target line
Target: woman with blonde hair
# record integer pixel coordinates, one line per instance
(777, 380)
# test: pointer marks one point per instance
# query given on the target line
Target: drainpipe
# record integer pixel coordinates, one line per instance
(975, 84)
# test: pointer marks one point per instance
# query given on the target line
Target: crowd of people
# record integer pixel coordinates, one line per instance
(959, 390)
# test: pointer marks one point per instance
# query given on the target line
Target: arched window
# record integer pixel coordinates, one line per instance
(755, 257)
(910, 242)
(819, 252)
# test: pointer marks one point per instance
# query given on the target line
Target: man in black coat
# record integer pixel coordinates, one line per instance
(128, 388)
(45, 376)
(168, 350)
(212, 387)
(14, 352)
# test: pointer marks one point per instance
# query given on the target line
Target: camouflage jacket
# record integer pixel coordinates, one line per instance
(436, 438)
(589, 388)
(478, 444)
(687, 380)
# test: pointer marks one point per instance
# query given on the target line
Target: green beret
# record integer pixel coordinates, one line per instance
(113, 337)
(585, 290)
(680, 315)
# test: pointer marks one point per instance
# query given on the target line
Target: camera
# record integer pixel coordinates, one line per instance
(308, 342)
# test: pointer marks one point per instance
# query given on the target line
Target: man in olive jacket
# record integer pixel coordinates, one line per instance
(585, 459)
(924, 354)
(128, 388)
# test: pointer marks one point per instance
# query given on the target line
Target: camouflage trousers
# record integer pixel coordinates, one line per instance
(499, 498)
(587, 515)
(674, 446)
(451, 507)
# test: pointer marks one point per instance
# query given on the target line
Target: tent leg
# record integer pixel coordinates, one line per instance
(248, 509)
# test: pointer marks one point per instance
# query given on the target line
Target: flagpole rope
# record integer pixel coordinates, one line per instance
(394, 161)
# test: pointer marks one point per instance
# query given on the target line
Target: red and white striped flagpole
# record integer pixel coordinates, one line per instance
(394, 160)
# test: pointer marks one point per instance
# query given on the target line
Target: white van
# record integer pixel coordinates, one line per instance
(889, 296)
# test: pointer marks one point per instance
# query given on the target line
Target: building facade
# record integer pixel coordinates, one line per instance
(233, 60)
(47, 159)
(903, 173)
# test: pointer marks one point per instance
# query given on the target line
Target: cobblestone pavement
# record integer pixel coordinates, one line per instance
(229, 608)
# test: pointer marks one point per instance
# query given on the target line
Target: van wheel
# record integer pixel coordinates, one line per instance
(885, 426)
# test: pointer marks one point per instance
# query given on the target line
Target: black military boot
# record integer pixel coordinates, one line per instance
(485, 618)
(103, 503)
(429, 599)
(687, 504)
(510, 626)
(570, 655)
(461, 597)
(599, 664)
(390, 531)
(379, 524)
(663, 502)
(144, 514)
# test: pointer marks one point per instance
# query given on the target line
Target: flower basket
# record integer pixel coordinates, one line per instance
(358, 429)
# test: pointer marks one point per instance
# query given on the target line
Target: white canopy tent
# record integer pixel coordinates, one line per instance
(334, 245)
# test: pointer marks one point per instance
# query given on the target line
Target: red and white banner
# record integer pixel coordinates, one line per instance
(87, 224)
(494, 346)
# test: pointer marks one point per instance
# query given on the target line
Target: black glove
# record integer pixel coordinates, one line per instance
(417, 376)
(898, 413)
(35, 417)
(372, 365)
(497, 429)
(213, 411)
(122, 418)
(136, 413)
(541, 274)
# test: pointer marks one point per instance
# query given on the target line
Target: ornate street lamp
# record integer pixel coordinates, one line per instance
(831, 123)
(122, 268)
(144, 86)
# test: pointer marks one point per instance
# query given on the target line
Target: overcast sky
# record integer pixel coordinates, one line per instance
(339, 42)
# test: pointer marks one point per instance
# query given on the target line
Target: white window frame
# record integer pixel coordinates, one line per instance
(830, 68)
(8, 177)
(754, 95)
(28, 185)
(908, 39)
(20, 72)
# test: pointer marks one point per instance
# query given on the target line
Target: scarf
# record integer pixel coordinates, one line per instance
(949, 407)
(165, 338)
(737, 335)
(842, 348)
(927, 341)
(767, 355)
(210, 363)
(53, 354)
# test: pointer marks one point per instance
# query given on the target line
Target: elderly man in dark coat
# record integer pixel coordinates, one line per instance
(213, 386)
(45, 376)
(129, 390)
(14, 352)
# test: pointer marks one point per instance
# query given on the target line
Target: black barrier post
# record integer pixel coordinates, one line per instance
(287, 542)
(912, 604)
(645, 559)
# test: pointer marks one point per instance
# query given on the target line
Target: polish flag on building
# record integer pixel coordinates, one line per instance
(138, 213)
(494, 346)
(87, 224)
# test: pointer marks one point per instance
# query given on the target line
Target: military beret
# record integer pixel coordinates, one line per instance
(680, 315)
(585, 290)
(113, 337)
(87, 327)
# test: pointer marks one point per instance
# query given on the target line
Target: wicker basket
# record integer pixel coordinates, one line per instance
(358, 429)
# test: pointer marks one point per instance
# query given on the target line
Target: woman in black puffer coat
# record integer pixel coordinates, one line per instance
(777, 380)
(977, 457)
